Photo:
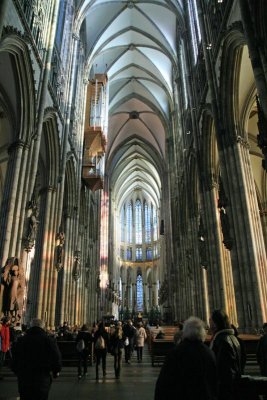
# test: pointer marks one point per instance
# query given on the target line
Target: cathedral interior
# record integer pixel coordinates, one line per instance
(133, 145)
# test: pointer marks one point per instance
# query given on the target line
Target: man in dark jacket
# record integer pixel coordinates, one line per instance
(228, 356)
(84, 347)
(129, 333)
(189, 371)
(262, 351)
(35, 358)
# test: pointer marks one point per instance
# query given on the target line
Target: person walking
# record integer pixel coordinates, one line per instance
(101, 345)
(189, 370)
(228, 356)
(116, 345)
(35, 359)
(129, 333)
(140, 338)
(4, 341)
(84, 348)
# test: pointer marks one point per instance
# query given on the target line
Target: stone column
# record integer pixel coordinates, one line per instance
(10, 197)
(249, 254)
(45, 264)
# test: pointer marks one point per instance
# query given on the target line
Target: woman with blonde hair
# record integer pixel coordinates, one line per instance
(116, 345)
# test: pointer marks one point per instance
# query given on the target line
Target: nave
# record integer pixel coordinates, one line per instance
(137, 382)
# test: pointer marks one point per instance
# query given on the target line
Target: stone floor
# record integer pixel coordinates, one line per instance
(137, 382)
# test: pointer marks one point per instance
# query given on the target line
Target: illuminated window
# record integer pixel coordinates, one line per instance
(122, 224)
(138, 222)
(149, 253)
(138, 254)
(129, 218)
(155, 224)
(129, 253)
(147, 223)
(139, 293)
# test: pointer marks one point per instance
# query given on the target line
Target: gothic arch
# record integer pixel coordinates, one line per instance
(233, 44)
(18, 85)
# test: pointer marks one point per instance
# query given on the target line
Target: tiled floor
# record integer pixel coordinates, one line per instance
(137, 382)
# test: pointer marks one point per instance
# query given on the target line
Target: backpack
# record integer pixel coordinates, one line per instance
(100, 343)
(80, 346)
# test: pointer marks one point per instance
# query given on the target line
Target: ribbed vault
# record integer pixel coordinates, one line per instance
(135, 44)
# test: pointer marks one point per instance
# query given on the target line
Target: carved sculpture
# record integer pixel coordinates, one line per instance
(59, 251)
(76, 272)
(13, 280)
(33, 223)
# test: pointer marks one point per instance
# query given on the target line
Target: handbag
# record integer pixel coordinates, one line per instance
(80, 346)
(126, 342)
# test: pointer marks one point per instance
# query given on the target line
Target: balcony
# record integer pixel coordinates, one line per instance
(92, 175)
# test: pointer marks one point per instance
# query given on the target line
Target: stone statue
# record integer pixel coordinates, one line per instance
(59, 251)
(33, 222)
(13, 280)
(76, 272)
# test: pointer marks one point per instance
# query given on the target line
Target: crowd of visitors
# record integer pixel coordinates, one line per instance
(195, 368)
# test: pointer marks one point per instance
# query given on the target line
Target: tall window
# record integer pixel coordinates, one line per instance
(138, 254)
(155, 224)
(139, 228)
(60, 23)
(147, 223)
(122, 224)
(138, 222)
(129, 218)
(129, 253)
(139, 293)
(149, 253)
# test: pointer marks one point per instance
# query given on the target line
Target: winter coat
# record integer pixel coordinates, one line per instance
(35, 355)
(86, 337)
(261, 354)
(105, 335)
(140, 337)
(5, 338)
(116, 343)
(189, 373)
(229, 364)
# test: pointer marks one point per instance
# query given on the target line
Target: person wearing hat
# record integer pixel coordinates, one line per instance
(36, 359)
(5, 341)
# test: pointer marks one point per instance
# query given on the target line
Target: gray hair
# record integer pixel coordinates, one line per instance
(194, 329)
(38, 323)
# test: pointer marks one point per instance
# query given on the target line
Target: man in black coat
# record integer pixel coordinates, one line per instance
(36, 358)
(189, 372)
(227, 351)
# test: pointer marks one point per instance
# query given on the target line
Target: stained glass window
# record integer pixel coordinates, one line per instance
(138, 254)
(155, 224)
(129, 218)
(147, 223)
(139, 293)
(138, 222)
(129, 253)
(149, 253)
(122, 224)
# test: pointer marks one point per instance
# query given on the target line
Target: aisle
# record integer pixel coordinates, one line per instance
(137, 382)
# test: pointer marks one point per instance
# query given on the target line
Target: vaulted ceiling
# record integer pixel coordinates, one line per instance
(134, 42)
